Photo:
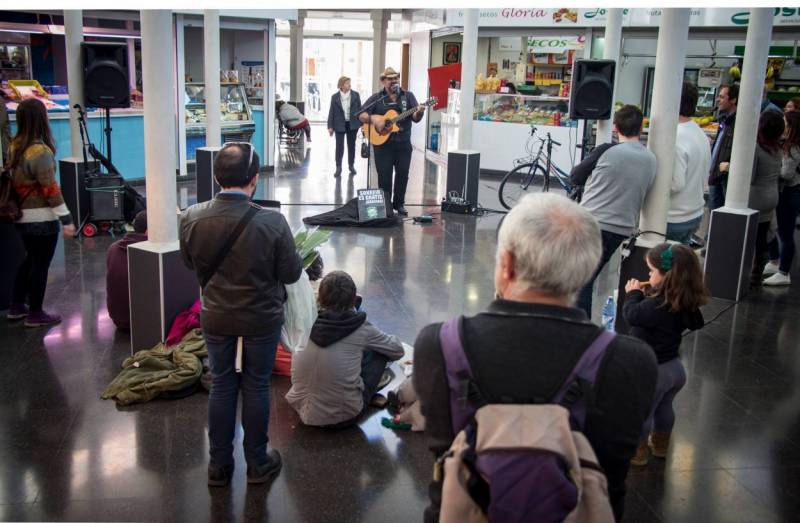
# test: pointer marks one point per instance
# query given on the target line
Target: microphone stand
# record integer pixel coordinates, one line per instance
(369, 135)
(81, 125)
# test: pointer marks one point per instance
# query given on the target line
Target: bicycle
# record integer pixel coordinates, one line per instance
(530, 170)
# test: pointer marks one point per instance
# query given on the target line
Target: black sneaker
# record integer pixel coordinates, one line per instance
(267, 471)
(401, 210)
(353, 170)
(219, 476)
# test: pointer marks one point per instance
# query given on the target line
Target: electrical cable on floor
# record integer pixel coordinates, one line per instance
(715, 318)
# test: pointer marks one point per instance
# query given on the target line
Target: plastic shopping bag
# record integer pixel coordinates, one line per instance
(300, 313)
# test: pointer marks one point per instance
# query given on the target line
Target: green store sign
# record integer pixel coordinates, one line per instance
(743, 17)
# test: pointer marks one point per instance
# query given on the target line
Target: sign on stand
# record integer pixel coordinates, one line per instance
(371, 204)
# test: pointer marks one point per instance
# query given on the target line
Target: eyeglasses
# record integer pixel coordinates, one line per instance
(242, 144)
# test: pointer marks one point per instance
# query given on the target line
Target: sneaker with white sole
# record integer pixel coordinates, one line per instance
(778, 279)
(770, 269)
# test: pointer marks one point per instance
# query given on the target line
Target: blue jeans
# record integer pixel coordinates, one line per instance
(611, 243)
(716, 195)
(682, 232)
(257, 361)
(786, 213)
(671, 379)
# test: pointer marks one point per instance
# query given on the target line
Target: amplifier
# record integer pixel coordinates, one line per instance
(458, 207)
(106, 197)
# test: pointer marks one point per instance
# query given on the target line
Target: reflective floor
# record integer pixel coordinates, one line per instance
(67, 455)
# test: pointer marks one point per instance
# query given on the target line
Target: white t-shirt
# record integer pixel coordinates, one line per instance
(690, 172)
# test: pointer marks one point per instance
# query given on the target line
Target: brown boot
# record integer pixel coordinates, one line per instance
(659, 443)
(640, 458)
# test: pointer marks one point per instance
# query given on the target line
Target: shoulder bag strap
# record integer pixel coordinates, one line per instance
(465, 398)
(223, 252)
(576, 393)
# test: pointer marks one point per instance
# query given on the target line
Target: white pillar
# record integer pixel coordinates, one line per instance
(469, 54)
(611, 44)
(211, 77)
(380, 22)
(270, 72)
(296, 57)
(159, 122)
(748, 110)
(180, 93)
(73, 36)
(131, 43)
(673, 38)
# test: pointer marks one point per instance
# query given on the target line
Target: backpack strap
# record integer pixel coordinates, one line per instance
(576, 393)
(464, 396)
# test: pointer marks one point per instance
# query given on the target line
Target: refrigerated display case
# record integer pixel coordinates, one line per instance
(706, 96)
(517, 108)
(236, 115)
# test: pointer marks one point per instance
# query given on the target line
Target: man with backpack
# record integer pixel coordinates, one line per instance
(243, 256)
(515, 363)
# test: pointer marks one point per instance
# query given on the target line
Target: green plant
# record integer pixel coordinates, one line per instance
(307, 242)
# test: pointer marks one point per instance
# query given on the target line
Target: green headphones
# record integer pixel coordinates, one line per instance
(666, 258)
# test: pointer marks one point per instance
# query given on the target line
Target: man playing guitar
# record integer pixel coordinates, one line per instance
(395, 154)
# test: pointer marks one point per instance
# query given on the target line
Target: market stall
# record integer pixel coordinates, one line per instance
(236, 115)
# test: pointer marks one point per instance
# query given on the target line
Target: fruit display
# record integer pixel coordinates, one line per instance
(486, 85)
(521, 109)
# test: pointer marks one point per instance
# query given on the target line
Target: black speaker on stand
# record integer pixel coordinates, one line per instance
(592, 93)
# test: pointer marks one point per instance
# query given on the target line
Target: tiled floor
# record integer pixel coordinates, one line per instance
(67, 455)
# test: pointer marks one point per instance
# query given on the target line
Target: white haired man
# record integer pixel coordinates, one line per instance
(528, 341)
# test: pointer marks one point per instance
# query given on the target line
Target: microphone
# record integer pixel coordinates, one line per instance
(396, 88)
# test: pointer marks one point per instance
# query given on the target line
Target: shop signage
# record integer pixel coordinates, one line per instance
(556, 45)
(709, 78)
(510, 44)
(597, 17)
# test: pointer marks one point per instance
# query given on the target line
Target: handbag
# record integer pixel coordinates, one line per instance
(10, 205)
(223, 253)
(364, 147)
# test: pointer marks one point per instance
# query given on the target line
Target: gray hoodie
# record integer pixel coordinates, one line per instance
(326, 376)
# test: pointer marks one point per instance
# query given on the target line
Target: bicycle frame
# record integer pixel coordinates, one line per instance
(550, 168)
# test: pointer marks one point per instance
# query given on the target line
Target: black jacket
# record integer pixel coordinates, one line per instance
(336, 119)
(245, 297)
(515, 356)
(656, 324)
(725, 148)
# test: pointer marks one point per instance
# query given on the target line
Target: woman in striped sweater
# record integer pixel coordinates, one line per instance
(32, 160)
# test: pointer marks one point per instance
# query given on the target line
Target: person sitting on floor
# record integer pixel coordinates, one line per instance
(336, 376)
(291, 117)
(117, 273)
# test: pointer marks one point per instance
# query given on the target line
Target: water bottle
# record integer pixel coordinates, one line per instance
(609, 313)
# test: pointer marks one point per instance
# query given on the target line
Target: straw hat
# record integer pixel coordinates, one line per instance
(389, 73)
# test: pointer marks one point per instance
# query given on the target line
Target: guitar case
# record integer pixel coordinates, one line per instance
(347, 216)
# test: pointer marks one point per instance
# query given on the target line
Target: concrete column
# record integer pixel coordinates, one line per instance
(180, 93)
(673, 38)
(380, 23)
(161, 286)
(73, 36)
(296, 57)
(159, 122)
(211, 76)
(469, 54)
(611, 44)
(748, 109)
(270, 83)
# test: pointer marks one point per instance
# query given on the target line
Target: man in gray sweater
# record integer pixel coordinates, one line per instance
(616, 181)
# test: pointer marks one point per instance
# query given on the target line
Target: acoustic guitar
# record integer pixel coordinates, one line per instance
(391, 118)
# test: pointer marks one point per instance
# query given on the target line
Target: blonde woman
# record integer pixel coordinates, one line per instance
(342, 120)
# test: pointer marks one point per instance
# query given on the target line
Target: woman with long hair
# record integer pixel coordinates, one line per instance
(764, 184)
(788, 203)
(32, 161)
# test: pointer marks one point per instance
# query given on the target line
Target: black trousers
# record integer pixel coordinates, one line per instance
(762, 250)
(31, 280)
(350, 134)
(395, 156)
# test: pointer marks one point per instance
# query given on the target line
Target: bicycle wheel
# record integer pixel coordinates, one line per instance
(518, 182)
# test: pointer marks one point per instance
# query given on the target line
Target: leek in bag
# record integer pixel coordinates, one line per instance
(300, 309)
